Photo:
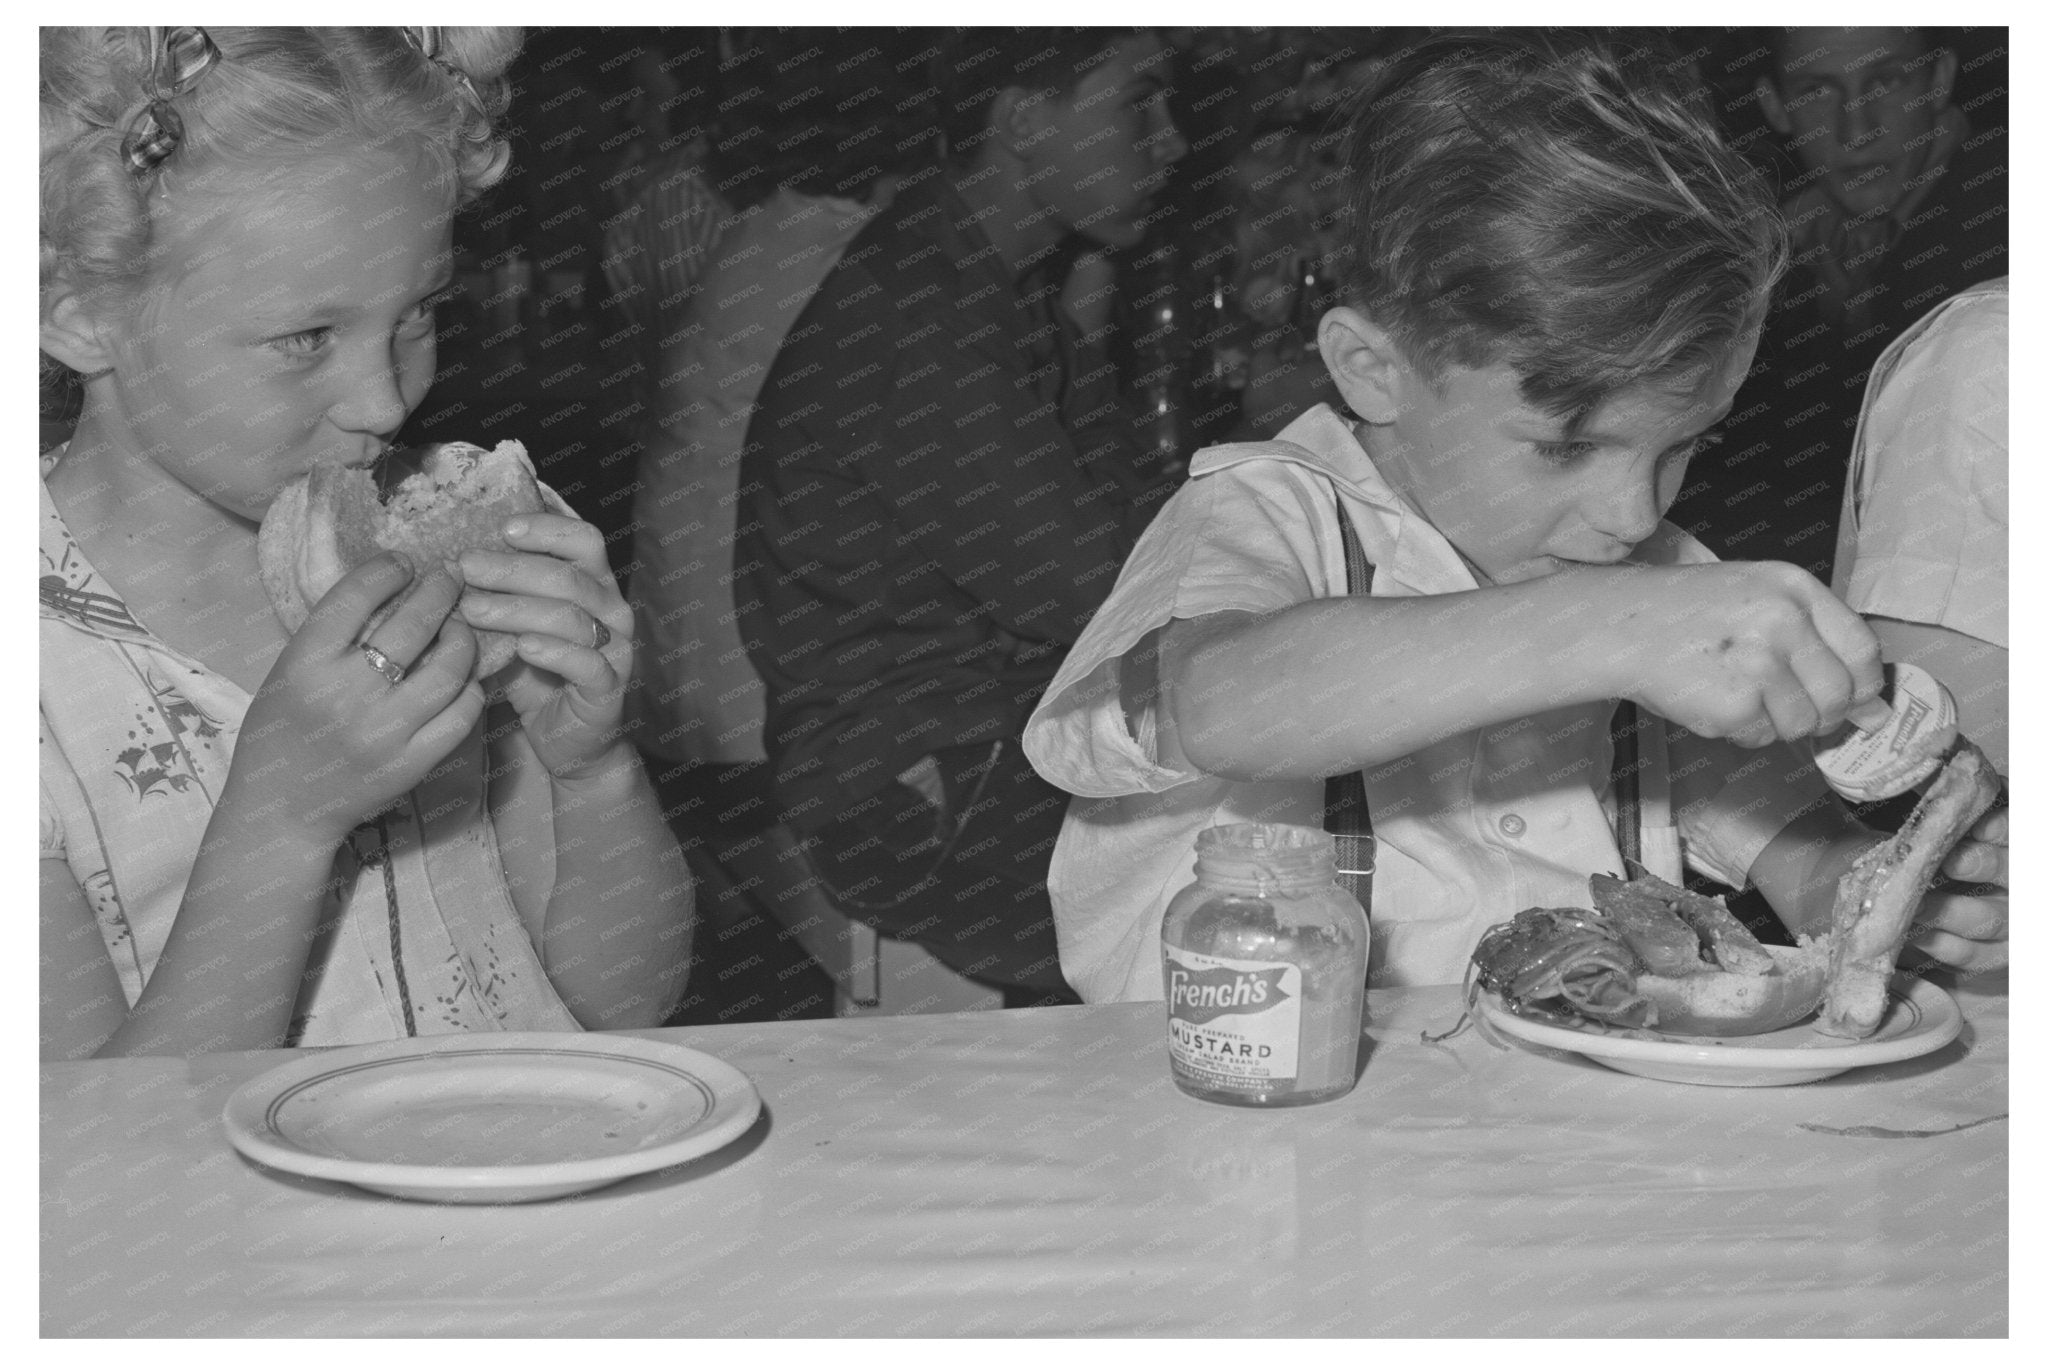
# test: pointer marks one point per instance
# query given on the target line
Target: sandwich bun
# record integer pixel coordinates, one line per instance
(325, 523)
(1731, 1005)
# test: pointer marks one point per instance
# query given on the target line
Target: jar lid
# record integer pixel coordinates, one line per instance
(1265, 855)
(1889, 758)
(1254, 839)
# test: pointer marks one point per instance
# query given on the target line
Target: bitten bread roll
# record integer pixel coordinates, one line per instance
(1740, 1004)
(327, 522)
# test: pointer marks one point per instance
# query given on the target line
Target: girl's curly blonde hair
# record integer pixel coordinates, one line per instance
(273, 95)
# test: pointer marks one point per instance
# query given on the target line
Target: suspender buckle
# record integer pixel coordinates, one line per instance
(1354, 855)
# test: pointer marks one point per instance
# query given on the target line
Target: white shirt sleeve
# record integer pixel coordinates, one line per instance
(1925, 524)
(1252, 537)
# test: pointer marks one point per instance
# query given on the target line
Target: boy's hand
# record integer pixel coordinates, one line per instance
(1962, 923)
(1755, 653)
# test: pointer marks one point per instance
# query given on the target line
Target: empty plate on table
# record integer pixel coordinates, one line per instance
(491, 1118)
(1922, 1019)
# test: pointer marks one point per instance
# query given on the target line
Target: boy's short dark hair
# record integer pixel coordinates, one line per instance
(1559, 201)
(970, 67)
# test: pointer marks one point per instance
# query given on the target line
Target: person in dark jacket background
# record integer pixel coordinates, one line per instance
(938, 488)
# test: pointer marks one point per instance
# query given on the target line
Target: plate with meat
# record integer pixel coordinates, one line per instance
(1922, 1018)
(1657, 981)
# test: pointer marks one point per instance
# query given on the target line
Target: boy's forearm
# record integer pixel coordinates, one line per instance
(620, 919)
(1798, 870)
(1340, 683)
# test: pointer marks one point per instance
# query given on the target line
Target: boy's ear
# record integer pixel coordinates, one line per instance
(1364, 361)
(69, 331)
(1773, 104)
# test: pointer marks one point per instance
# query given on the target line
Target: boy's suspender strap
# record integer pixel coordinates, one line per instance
(1344, 808)
(1628, 787)
(1346, 816)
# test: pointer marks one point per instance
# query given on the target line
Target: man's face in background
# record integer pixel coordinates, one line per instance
(1859, 107)
(1108, 147)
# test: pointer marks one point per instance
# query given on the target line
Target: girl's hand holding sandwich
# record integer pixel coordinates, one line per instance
(554, 589)
(330, 741)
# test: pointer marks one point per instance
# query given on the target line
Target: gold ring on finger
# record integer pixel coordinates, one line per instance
(392, 670)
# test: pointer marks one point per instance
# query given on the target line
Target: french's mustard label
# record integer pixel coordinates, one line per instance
(1231, 1024)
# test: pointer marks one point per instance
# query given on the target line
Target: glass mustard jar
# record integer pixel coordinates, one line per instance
(1264, 957)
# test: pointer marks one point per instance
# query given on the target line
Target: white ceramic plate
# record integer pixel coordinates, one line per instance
(491, 1118)
(1922, 1018)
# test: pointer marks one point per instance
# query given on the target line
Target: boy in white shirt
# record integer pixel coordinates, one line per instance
(1559, 272)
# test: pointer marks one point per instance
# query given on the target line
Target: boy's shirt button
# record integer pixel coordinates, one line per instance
(1513, 825)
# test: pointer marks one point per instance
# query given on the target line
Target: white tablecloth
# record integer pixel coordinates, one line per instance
(1036, 1173)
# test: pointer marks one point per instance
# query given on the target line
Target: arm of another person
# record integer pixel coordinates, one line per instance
(1924, 551)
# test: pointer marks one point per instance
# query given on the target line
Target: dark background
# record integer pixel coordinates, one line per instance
(552, 382)
(547, 365)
